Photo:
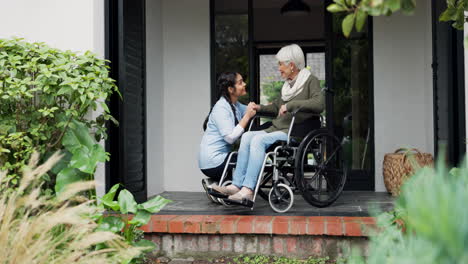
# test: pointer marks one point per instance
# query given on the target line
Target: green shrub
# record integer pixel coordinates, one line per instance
(272, 90)
(433, 211)
(46, 96)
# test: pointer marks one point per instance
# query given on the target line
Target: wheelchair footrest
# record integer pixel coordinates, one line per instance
(217, 194)
(245, 202)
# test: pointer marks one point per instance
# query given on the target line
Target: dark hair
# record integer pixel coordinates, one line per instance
(225, 80)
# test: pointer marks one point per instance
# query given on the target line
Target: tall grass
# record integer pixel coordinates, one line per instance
(38, 229)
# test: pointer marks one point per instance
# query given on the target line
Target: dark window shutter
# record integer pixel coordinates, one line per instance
(449, 87)
(127, 142)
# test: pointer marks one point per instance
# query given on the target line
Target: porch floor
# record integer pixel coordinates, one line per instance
(350, 203)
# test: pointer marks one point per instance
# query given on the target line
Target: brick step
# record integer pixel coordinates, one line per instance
(262, 225)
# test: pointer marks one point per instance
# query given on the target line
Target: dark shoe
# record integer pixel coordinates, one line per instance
(206, 183)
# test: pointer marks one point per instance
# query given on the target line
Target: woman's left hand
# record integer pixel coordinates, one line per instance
(283, 110)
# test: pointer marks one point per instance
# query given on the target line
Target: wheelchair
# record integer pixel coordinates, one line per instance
(309, 163)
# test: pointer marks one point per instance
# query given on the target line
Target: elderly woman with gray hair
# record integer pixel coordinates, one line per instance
(301, 90)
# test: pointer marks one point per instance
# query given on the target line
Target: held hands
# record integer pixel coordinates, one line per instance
(251, 109)
(283, 110)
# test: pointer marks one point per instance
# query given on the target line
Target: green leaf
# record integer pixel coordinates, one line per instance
(340, 2)
(408, 6)
(67, 176)
(348, 23)
(127, 202)
(448, 15)
(361, 17)
(334, 8)
(394, 5)
(114, 205)
(109, 196)
(141, 218)
(108, 199)
(81, 160)
(63, 162)
(76, 136)
(149, 245)
(111, 223)
(86, 160)
(154, 205)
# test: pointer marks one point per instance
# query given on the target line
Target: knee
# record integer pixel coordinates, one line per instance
(247, 137)
(257, 141)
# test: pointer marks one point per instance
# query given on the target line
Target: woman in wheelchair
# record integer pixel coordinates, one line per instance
(301, 90)
(224, 125)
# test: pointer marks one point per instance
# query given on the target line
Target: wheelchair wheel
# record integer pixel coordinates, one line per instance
(281, 198)
(319, 168)
(220, 200)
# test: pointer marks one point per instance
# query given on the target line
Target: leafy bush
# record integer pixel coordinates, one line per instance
(432, 209)
(45, 229)
(124, 225)
(45, 98)
(272, 90)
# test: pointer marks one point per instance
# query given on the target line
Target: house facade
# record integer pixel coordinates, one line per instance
(400, 83)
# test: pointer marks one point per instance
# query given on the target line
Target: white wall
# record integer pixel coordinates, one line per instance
(76, 25)
(402, 84)
(154, 97)
(186, 60)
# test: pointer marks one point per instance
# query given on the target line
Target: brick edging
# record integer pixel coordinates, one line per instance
(270, 225)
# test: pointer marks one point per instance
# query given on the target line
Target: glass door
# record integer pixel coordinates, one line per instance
(349, 99)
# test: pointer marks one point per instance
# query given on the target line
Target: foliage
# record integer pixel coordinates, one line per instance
(45, 98)
(455, 12)
(125, 226)
(272, 90)
(358, 10)
(432, 210)
(46, 229)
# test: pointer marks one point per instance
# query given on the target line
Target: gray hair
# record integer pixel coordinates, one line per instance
(291, 53)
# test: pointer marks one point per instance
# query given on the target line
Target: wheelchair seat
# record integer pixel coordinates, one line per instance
(295, 142)
(298, 133)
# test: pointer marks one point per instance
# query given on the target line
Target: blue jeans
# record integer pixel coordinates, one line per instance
(251, 155)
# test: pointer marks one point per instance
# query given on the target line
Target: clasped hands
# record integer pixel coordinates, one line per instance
(252, 109)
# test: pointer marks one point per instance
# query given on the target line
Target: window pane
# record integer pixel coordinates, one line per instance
(231, 39)
(270, 79)
(316, 62)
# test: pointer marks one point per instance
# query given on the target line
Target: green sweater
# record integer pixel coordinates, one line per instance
(311, 100)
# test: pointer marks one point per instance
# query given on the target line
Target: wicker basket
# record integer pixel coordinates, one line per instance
(398, 166)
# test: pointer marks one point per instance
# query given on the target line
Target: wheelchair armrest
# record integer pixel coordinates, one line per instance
(257, 117)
